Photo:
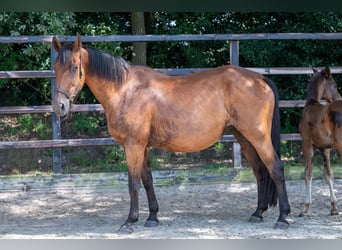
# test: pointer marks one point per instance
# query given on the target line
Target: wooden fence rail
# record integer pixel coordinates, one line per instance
(182, 71)
(176, 38)
(57, 143)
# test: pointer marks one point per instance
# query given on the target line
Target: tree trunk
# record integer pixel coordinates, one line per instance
(138, 28)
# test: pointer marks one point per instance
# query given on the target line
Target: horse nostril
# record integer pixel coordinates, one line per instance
(62, 106)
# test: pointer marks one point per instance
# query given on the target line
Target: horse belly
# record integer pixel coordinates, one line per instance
(190, 137)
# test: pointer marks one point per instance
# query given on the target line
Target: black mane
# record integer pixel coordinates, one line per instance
(107, 66)
(102, 64)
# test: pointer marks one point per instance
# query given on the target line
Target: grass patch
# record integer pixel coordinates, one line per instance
(291, 173)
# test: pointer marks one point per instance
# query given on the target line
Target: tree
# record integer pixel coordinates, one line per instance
(138, 28)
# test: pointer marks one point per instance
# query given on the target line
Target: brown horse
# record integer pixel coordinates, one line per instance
(320, 127)
(145, 108)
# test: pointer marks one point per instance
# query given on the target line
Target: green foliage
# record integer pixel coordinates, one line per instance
(41, 129)
(26, 122)
(113, 160)
(80, 158)
(219, 146)
(116, 155)
(105, 159)
(34, 124)
(85, 124)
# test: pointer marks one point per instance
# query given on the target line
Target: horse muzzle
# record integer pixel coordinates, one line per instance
(61, 105)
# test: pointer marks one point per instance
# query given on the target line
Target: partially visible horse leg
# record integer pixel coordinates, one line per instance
(308, 154)
(135, 160)
(269, 157)
(256, 164)
(329, 178)
(152, 220)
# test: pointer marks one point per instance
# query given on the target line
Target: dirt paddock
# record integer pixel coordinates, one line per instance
(189, 211)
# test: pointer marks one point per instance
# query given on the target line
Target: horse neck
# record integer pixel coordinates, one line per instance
(103, 90)
(313, 92)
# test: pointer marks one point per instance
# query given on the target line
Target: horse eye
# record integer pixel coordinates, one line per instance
(74, 68)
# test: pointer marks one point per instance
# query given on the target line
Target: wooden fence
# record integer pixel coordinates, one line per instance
(234, 39)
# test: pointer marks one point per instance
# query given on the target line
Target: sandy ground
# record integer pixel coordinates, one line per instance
(187, 211)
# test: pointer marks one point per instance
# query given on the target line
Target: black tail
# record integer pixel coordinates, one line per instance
(268, 184)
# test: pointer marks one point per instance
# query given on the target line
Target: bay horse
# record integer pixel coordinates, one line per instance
(146, 108)
(320, 127)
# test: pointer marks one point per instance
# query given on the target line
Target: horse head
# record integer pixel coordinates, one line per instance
(69, 75)
(322, 86)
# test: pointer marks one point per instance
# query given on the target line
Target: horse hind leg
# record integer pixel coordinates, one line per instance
(266, 193)
(265, 196)
(274, 166)
(329, 178)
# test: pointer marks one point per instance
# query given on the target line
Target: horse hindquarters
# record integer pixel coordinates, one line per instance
(259, 135)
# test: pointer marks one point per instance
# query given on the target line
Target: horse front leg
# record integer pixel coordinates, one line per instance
(147, 179)
(135, 161)
(308, 154)
(329, 178)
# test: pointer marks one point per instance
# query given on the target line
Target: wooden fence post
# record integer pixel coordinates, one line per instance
(234, 59)
(56, 124)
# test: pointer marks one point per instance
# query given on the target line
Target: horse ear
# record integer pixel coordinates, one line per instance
(326, 72)
(77, 43)
(314, 70)
(56, 44)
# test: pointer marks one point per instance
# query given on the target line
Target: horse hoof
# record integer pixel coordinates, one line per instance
(281, 225)
(301, 214)
(125, 229)
(151, 223)
(333, 212)
(255, 219)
